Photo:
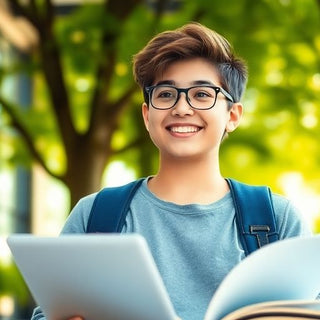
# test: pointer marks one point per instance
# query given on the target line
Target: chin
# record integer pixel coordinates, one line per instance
(184, 155)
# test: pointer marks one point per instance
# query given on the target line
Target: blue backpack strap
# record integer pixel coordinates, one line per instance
(110, 208)
(254, 215)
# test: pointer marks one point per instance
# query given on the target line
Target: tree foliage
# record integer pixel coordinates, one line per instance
(85, 109)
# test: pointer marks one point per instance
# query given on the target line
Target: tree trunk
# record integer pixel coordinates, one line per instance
(86, 164)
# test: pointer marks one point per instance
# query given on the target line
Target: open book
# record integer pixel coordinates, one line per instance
(278, 281)
(278, 310)
(115, 277)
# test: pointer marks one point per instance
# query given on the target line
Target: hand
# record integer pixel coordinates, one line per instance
(76, 318)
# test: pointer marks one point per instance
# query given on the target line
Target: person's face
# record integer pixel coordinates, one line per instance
(183, 131)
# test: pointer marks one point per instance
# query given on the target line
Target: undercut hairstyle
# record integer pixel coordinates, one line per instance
(193, 40)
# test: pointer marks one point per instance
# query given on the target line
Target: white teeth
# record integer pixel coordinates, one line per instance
(184, 129)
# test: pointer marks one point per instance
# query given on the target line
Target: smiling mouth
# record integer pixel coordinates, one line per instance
(184, 129)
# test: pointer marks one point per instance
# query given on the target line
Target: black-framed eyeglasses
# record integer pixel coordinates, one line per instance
(201, 97)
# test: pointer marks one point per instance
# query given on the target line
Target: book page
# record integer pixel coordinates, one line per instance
(282, 309)
(284, 270)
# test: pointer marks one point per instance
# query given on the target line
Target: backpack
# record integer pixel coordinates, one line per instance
(253, 206)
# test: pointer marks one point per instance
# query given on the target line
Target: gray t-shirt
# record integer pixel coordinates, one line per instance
(194, 245)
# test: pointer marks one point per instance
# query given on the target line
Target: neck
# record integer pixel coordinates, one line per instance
(189, 181)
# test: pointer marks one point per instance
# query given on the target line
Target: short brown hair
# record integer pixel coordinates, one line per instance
(190, 41)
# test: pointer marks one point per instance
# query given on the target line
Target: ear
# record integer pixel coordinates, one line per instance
(235, 114)
(145, 115)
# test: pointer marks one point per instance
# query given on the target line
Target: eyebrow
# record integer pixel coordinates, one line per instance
(164, 82)
(193, 83)
(200, 82)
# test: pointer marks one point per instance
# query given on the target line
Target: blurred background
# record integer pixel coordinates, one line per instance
(70, 119)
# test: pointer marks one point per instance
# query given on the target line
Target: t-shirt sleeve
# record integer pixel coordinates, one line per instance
(290, 221)
(78, 218)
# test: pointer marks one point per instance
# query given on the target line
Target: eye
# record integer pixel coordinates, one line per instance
(164, 93)
(203, 93)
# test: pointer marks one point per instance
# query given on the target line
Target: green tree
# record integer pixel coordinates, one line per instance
(88, 45)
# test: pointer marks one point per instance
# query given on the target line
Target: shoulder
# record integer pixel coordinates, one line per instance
(289, 219)
(78, 218)
(85, 202)
(282, 203)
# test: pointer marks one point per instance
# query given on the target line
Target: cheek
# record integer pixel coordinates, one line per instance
(217, 121)
(153, 119)
(156, 130)
(154, 137)
(153, 126)
(217, 124)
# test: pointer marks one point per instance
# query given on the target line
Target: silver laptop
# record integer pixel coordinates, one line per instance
(97, 276)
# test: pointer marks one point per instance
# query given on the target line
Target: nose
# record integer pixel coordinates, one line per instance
(182, 107)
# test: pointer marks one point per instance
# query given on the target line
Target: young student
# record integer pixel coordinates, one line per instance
(192, 84)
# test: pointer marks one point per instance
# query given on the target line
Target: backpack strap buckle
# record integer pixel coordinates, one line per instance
(261, 232)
